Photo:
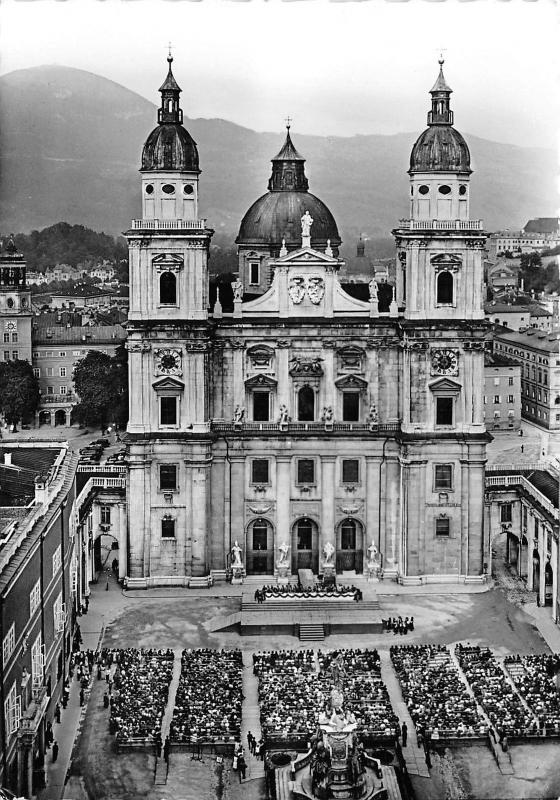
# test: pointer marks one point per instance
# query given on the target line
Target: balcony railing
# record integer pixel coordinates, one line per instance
(303, 427)
(521, 480)
(69, 397)
(441, 224)
(168, 224)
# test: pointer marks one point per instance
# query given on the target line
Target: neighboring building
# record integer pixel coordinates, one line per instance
(517, 242)
(15, 305)
(81, 295)
(305, 416)
(105, 272)
(539, 356)
(504, 274)
(64, 272)
(39, 565)
(56, 350)
(549, 226)
(522, 507)
(517, 317)
(502, 392)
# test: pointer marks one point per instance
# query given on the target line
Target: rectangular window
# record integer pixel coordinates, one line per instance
(168, 477)
(350, 470)
(50, 389)
(510, 381)
(444, 411)
(350, 406)
(254, 272)
(36, 372)
(496, 381)
(496, 415)
(168, 411)
(15, 354)
(56, 560)
(261, 406)
(12, 711)
(14, 337)
(6, 355)
(62, 389)
(58, 615)
(37, 662)
(62, 353)
(105, 515)
(8, 644)
(35, 598)
(75, 352)
(443, 476)
(505, 512)
(497, 398)
(511, 398)
(6, 338)
(62, 372)
(305, 470)
(442, 526)
(168, 529)
(259, 470)
(49, 372)
(484, 399)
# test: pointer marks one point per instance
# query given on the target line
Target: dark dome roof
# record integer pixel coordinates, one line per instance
(169, 147)
(440, 148)
(277, 215)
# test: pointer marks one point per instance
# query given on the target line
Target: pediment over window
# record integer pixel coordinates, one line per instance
(445, 386)
(448, 261)
(168, 262)
(168, 383)
(351, 356)
(260, 382)
(351, 382)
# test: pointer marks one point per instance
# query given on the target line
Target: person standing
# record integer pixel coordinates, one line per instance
(57, 713)
(54, 751)
(241, 766)
(81, 697)
(404, 733)
(250, 741)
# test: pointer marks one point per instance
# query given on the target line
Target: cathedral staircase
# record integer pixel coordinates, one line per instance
(311, 632)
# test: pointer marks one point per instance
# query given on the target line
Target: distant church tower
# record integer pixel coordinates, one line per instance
(168, 344)
(439, 293)
(15, 305)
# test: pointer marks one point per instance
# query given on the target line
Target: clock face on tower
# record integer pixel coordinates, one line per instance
(445, 362)
(169, 362)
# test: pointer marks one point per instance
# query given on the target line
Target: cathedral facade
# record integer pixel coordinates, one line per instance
(305, 418)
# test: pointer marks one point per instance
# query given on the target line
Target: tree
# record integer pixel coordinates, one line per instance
(101, 382)
(19, 391)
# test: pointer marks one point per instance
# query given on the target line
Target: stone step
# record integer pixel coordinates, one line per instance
(314, 604)
(161, 772)
(311, 633)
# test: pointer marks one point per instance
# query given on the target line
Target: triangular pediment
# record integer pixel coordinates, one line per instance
(168, 383)
(306, 255)
(171, 261)
(260, 380)
(351, 382)
(446, 258)
(445, 385)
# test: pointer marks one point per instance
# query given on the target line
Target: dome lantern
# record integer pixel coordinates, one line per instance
(288, 172)
(170, 110)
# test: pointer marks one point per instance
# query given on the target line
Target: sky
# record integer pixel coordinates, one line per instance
(336, 68)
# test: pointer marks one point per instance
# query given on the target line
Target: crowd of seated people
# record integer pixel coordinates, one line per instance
(296, 590)
(140, 688)
(493, 691)
(535, 679)
(437, 699)
(290, 693)
(209, 696)
(365, 694)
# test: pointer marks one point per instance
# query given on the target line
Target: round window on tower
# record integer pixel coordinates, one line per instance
(188, 188)
(168, 188)
(462, 190)
(444, 189)
(150, 188)
(424, 189)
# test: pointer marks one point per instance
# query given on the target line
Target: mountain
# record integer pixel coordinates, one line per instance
(70, 145)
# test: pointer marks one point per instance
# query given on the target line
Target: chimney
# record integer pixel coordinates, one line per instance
(41, 489)
(7, 459)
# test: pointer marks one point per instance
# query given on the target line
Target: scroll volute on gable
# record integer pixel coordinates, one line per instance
(351, 359)
(261, 357)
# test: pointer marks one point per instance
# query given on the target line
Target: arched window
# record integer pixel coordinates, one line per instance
(348, 535)
(445, 287)
(306, 404)
(168, 289)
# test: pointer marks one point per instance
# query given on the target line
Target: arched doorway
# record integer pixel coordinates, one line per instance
(44, 417)
(548, 581)
(305, 545)
(536, 571)
(349, 546)
(512, 549)
(260, 548)
(60, 417)
(523, 561)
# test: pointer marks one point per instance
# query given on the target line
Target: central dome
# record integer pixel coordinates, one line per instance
(440, 149)
(169, 147)
(276, 216)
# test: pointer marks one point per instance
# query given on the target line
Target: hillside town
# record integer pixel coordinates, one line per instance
(279, 520)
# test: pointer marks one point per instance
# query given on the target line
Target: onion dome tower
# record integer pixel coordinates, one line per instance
(440, 162)
(274, 220)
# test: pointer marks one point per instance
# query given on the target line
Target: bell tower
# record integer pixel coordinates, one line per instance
(15, 305)
(168, 342)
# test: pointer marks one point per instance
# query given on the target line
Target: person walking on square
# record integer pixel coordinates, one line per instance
(404, 733)
(242, 767)
(250, 741)
(57, 713)
(81, 697)
(54, 751)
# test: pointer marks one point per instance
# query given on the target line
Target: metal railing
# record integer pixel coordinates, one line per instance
(69, 397)
(441, 224)
(521, 480)
(168, 224)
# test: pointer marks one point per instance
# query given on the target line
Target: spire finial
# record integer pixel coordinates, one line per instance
(169, 56)
(288, 122)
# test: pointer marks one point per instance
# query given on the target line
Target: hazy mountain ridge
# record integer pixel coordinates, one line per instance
(70, 146)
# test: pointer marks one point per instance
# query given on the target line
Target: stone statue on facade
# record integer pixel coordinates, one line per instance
(236, 553)
(306, 223)
(373, 553)
(283, 550)
(283, 418)
(237, 287)
(373, 296)
(373, 418)
(328, 551)
(327, 415)
(239, 415)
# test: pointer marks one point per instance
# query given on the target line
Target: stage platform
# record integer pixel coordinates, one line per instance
(310, 618)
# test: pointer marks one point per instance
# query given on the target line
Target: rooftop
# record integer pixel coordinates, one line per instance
(538, 340)
(94, 334)
(497, 360)
(82, 290)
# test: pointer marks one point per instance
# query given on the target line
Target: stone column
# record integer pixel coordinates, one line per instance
(283, 493)
(122, 541)
(477, 552)
(328, 387)
(328, 493)
(555, 563)
(199, 505)
(282, 356)
(392, 517)
(372, 531)
(139, 518)
(237, 506)
(542, 562)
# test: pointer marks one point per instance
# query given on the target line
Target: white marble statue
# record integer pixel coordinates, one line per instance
(283, 549)
(373, 290)
(327, 415)
(372, 415)
(236, 552)
(328, 550)
(373, 555)
(283, 414)
(237, 287)
(239, 414)
(306, 223)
